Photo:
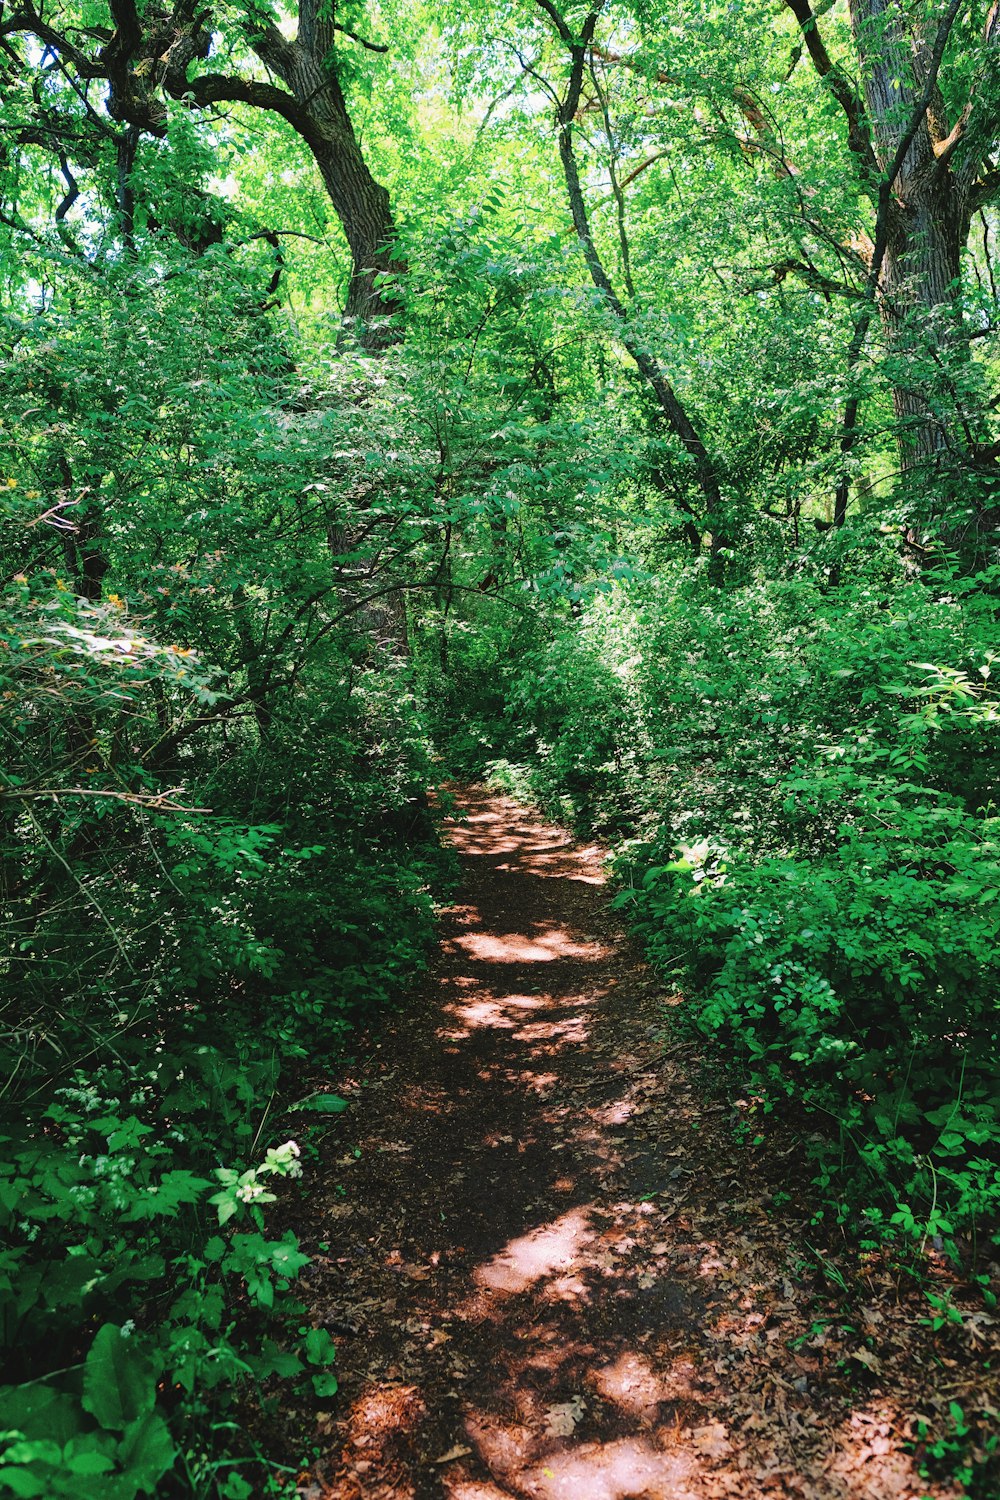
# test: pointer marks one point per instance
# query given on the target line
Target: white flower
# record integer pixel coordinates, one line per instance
(128, 1328)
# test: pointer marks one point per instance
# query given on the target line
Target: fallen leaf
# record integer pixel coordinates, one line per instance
(868, 1359)
(712, 1440)
(563, 1418)
(457, 1452)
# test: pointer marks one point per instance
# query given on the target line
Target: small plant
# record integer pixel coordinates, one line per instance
(944, 1313)
(951, 1444)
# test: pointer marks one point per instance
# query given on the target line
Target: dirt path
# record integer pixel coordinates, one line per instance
(552, 1271)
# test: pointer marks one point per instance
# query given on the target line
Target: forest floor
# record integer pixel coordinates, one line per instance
(560, 1267)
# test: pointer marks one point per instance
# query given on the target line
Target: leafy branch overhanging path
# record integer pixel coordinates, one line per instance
(552, 1271)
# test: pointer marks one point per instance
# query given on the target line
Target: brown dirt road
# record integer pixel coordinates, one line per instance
(553, 1272)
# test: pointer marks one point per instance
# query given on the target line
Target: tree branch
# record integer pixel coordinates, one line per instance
(362, 41)
(671, 408)
(27, 23)
(217, 88)
(858, 129)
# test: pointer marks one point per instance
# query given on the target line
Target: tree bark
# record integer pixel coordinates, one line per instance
(305, 66)
(927, 214)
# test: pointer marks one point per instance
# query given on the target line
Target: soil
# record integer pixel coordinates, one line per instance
(559, 1268)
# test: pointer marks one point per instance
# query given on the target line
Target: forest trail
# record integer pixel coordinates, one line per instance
(552, 1272)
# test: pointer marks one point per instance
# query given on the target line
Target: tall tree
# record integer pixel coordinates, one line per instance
(675, 417)
(143, 57)
(924, 148)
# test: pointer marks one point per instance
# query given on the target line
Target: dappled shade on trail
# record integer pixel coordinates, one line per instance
(552, 1268)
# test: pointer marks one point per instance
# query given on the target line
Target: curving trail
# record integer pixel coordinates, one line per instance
(552, 1272)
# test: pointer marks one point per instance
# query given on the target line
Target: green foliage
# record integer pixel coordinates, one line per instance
(260, 591)
(110, 1442)
(217, 854)
(808, 772)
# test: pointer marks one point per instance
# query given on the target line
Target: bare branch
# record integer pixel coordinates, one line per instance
(154, 801)
(362, 41)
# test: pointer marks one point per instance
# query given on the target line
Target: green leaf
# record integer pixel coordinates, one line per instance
(34, 1451)
(286, 1258)
(323, 1104)
(320, 1348)
(236, 1487)
(22, 1483)
(89, 1462)
(119, 1383)
(147, 1451)
(226, 1206)
(38, 1411)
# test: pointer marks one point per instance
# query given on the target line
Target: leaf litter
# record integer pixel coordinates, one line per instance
(567, 1276)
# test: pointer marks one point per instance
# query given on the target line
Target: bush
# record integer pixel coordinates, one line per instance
(180, 936)
(860, 982)
(807, 768)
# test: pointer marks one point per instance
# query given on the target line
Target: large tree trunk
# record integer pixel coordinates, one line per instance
(927, 178)
(920, 301)
(305, 66)
(927, 222)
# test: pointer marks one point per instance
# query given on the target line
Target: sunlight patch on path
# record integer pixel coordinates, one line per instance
(544, 946)
(525, 848)
(561, 1023)
(544, 1252)
(622, 1469)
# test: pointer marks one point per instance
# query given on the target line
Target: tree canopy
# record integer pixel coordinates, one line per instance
(599, 397)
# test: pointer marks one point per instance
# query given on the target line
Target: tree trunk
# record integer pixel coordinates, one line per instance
(305, 66)
(927, 223)
(920, 299)
(671, 409)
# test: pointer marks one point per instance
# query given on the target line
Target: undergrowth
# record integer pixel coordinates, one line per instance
(799, 776)
(176, 954)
